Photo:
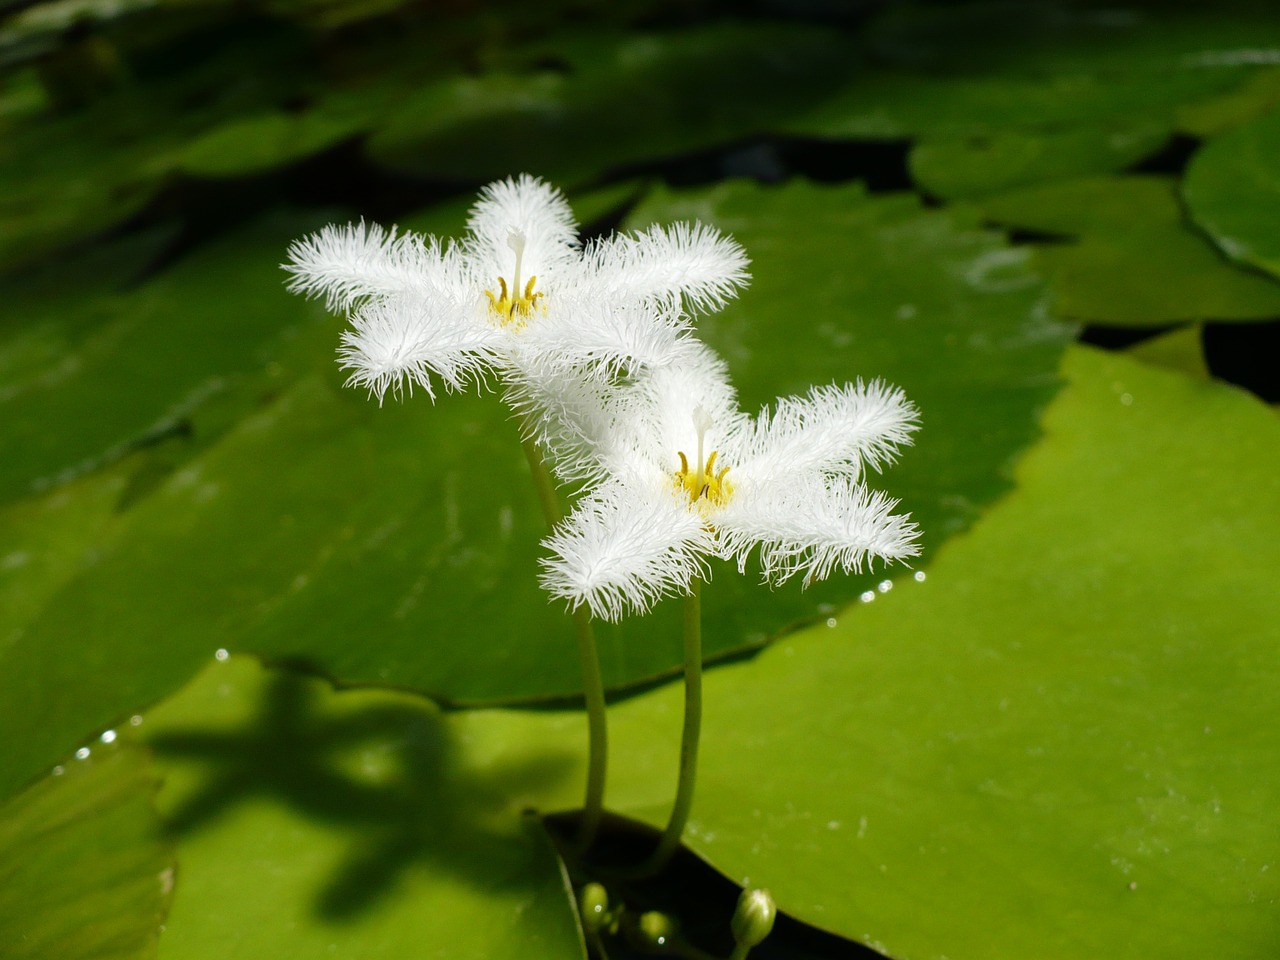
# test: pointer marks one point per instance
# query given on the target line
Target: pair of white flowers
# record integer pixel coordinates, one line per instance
(595, 348)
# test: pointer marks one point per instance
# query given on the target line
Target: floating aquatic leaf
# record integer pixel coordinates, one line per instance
(367, 541)
(1232, 190)
(378, 834)
(1055, 745)
(1130, 259)
(87, 874)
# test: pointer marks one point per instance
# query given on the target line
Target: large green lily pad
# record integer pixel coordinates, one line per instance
(51, 311)
(617, 99)
(1059, 745)
(44, 541)
(1255, 98)
(399, 545)
(99, 373)
(1055, 37)
(1131, 259)
(846, 286)
(1181, 348)
(264, 142)
(999, 95)
(362, 815)
(60, 187)
(892, 104)
(989, 69)
(66, 176)
(84, 871)
(973, 166)
(1232, 190)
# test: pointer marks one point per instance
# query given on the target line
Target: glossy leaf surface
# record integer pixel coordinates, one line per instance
(1127, 257)
(1232, 190)
(366, 541)
(1057, 745)
(973, 166)
(347, 822)
(84, 871)
(982, 69)
(118, 370)
(620, 99)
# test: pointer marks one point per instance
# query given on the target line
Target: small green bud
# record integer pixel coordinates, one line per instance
(657, 930)
(593, 903)
(753, 919)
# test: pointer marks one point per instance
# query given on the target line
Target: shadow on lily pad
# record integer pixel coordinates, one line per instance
(377, 769)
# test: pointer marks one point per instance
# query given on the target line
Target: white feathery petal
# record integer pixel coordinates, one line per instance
(351, 263)
(659, 418)
(835, 429)
(521, 280)
(594, 427)
(605, 339)
(690, 264)
(397, 342)
(813, 527)
(670, 438)
(535, 212)
(624, 548)
(568, 416)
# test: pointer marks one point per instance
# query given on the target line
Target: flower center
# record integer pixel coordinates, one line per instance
(703, 483)
(512, 306)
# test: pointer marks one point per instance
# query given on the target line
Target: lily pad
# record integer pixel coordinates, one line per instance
(158, 352)
(1232, 189)
(44, 542)
(399, 545)
(68, 176)
(51, 308)
(60, 192)
(619, 99)
(975, 166)
(255, 144)
(379, 837)
(889, 104)
(86, 872)
(1134, 261)
(1180, 349)
(845, 285)
(954, 71)
(1253, 99)
(1054, 746)
(1050, 36)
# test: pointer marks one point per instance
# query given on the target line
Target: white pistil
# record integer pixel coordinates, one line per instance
(702, 484)
(702, 423)
(515, 240)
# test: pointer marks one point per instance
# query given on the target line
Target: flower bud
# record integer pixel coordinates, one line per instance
(593, 904)
(753, 919)
(657, 931)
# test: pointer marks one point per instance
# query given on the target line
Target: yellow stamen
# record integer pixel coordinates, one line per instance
(703, 485)
(512, 307)
(706, 483)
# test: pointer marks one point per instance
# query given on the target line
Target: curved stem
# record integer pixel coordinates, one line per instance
(670, 838)
(597, 729)
(589, 659)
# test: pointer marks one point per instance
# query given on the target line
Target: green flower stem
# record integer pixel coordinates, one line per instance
(670, 838)
(597, 729)
(543, 483)
(589, 658)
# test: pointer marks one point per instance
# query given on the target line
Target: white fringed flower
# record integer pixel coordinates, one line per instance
(680, 474)
(518, 291)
